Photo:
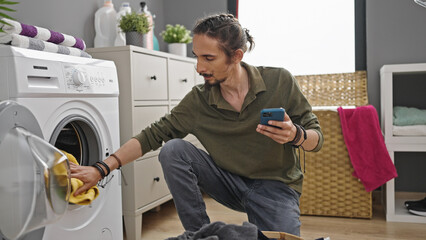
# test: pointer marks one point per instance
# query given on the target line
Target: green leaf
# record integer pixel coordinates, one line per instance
(8, 2)
(4, 2)
(7, 9)
(6, 16)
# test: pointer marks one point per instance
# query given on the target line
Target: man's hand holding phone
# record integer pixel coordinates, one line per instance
(276, 124)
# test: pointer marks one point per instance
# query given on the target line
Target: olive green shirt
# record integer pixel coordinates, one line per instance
(230, 137)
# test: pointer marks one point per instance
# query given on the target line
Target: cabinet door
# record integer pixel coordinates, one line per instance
(149, 77)
(144, 116)
(149, 182)
(181, 78)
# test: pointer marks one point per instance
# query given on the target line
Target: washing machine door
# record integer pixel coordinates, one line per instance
(34, 175)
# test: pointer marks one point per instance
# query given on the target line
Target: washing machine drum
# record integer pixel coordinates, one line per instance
(34, 175)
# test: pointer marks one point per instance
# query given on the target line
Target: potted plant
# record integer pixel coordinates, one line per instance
(135, 26)
(3, 15)
(177, 37)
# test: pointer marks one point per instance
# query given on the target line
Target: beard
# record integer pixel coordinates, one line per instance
(216, 82)
(209, 85)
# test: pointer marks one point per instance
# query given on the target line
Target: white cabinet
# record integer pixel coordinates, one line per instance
(151, 84)
(390, 75)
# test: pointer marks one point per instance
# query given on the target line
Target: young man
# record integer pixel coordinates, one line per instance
(248, 167)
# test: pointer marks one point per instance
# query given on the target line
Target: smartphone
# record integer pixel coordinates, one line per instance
(275, 114)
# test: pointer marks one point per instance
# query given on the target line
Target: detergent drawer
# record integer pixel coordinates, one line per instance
(149, 181)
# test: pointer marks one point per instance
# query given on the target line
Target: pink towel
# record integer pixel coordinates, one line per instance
(366, 147)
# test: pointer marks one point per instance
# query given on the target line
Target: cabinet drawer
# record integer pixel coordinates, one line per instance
(144, 116)
(149, 77)
(149, 182)
(181, 78)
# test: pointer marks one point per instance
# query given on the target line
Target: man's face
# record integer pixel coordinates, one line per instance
(212, 62)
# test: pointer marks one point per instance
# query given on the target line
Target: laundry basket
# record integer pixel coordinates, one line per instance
(329, 189)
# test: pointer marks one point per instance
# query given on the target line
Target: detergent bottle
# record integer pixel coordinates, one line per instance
(150, 34)
(105, 25)
(120, 39)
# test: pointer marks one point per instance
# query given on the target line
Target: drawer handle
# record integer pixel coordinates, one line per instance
(154, 77)
(157, 179)
(184, 80)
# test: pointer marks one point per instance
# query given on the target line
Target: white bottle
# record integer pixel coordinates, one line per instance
(150, 34)
(120, 39)
(105, 25)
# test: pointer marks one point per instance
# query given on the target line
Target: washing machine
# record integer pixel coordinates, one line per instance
(51, 102)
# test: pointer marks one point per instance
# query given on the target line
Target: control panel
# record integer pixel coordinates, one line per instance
(30, 73)
(89, 79)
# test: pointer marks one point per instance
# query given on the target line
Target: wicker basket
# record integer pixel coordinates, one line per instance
(329, 189)
(340, 89)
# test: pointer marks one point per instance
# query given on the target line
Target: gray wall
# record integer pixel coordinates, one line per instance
(76, 17)
(396, 33)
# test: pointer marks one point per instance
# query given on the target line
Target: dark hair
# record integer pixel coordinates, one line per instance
(227, 30)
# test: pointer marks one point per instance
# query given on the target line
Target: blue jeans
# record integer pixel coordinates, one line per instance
(270, 205)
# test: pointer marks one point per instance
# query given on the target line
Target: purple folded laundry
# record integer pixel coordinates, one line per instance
(18, 40)
(56, 37)
(79, 44)
(41, 34)
(28, 30)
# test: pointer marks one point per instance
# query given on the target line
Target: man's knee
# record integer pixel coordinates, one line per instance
(171, 148)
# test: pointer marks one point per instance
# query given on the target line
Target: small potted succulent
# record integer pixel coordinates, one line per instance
(135, 26)
(177, 37)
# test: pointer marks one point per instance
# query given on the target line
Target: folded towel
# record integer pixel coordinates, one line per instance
(37, 44)
(42, 34)
(366, 147)
(84, 198)
(405, 116)
(412, 130)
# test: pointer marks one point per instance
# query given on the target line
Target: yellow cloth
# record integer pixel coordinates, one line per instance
(85, 198)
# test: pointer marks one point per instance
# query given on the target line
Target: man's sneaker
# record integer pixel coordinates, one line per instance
(420, 213)
(417, 207)
(415, 203)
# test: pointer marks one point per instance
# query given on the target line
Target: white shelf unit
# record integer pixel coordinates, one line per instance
(395, 209)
